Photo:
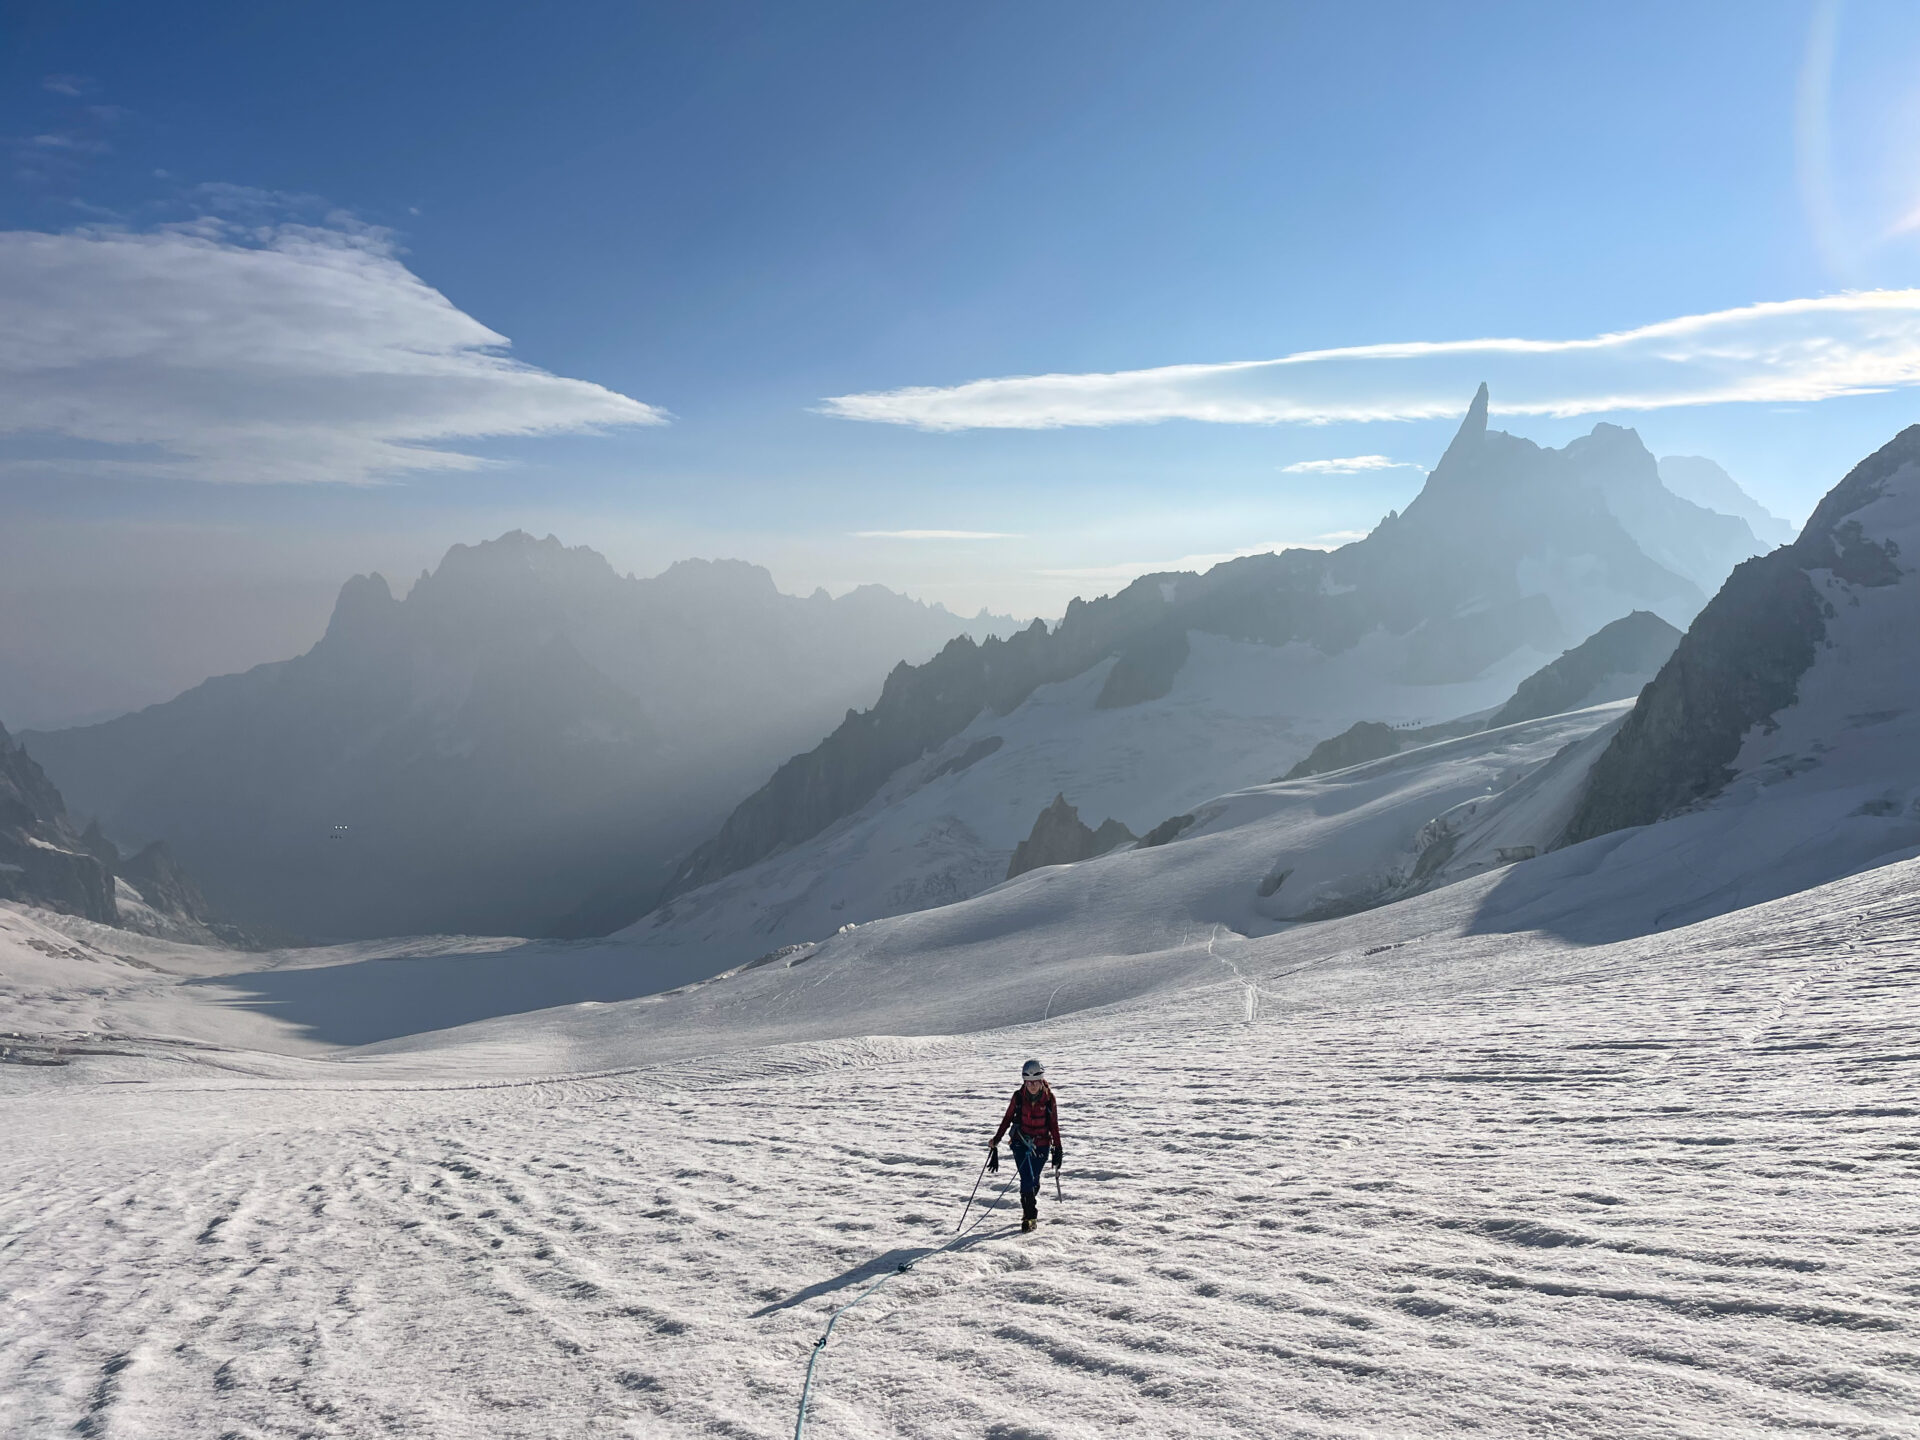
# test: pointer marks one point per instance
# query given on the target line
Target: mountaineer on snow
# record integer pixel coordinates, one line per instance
(1034, 1119)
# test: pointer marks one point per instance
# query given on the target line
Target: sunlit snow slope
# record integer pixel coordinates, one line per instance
(1374, 1177)
(1238, 714)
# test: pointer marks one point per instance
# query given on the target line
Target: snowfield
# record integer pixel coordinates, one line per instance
(943, 828)
(1387, 1175)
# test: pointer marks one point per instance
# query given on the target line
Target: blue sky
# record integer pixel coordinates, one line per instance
(698, 224)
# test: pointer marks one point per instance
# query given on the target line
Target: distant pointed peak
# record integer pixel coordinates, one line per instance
(1472, 429)
(1476, 422)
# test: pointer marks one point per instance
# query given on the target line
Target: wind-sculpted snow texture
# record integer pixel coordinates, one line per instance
(1398, 1182)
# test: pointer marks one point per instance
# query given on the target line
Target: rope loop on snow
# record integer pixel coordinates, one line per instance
(820, 1345)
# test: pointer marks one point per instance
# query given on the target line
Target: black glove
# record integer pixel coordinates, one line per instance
(1056, 1157)
(993, 1159)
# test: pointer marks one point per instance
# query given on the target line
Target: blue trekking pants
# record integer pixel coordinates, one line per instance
(1030, 1159)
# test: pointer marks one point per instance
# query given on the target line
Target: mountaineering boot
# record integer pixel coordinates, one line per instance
(1027, 1222)
(1029, 1210)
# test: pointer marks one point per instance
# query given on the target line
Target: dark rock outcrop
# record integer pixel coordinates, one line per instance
(1741, 662)
(968, 758)
(1360, 742)
(1610, 664)
(1146, 669)
(1172, 828)
(43, 861)
(165, 886)
(1061, 837)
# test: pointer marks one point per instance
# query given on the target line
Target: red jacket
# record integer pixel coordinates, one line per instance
(1034, 1116)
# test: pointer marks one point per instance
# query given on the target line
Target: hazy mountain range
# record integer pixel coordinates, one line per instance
(1704, 482)
(528, 742)
(523, 744)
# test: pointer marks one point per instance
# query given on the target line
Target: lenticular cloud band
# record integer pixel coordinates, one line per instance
(295, 354)
(1788, 351)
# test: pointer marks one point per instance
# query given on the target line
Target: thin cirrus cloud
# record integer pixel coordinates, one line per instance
(281, 353)
(1779, 352)
(1347, 465)
(936, 535)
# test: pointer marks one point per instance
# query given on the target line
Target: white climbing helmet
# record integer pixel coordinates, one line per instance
(1032, 1068)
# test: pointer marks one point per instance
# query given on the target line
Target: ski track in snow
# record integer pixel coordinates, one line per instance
(1664, 1188)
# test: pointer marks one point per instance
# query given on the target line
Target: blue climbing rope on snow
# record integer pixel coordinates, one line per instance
(820, 1345)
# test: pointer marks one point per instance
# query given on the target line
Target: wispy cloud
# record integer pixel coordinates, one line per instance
(936, 535)
(1349, 465)
(60, 153)
(262, 353)
(1778, 352)
(69, 85)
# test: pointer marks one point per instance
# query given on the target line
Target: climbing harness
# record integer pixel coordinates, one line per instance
(820, 1345)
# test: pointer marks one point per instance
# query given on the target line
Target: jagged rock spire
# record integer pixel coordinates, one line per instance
(1472, 429)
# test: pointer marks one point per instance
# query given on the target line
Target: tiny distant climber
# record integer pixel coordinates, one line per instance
(1034, 1119)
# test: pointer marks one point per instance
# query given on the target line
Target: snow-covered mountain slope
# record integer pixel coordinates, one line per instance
(1400, 1180)
(1352, 839)
(943, 827)
(1798, 681)
(1822, 787)
(1510, 553)
(1477, 813)
(1066, 937)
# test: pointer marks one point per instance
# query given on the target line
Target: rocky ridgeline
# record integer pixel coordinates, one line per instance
(42, 861)
(1360, 742)
(1611, 664)
(1741, 662)
(45, 863)
(1061, 837)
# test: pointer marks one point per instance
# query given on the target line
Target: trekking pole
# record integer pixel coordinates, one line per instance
(975, 1191)
(1056, 1184)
